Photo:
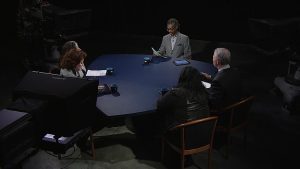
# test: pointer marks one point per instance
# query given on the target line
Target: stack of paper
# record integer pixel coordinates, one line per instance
(96, 73)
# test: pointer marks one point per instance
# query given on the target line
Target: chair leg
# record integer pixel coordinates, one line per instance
(56, 141)
(92, 145)
(245, 137)
(209, 159)
(162, 149)
(227, 146)
(59, 156)
(182, 160)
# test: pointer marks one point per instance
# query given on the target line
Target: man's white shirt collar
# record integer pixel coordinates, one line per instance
(173, 40)
(224, 67)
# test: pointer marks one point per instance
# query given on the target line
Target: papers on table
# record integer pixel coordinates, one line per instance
(96, 73)
(206, 84)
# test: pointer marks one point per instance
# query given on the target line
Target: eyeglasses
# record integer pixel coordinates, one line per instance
(170, 29)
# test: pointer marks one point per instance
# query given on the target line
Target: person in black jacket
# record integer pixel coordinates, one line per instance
(188, 101)
(226, 85)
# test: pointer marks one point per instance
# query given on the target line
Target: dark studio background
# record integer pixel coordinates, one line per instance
(220, 20)
(209, 20)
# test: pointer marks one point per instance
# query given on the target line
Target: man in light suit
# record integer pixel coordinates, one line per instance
(175, 44)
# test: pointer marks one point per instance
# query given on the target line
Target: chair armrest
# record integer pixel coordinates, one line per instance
(189, 123)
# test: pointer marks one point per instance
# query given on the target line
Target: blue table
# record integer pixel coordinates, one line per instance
(139, 84)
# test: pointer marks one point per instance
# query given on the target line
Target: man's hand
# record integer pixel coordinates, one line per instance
(207, 76)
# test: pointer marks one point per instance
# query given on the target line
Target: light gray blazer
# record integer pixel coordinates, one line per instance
(71, 73)
(182, 48)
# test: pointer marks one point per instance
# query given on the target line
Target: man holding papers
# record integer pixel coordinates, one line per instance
(174, 44)
(226, 86)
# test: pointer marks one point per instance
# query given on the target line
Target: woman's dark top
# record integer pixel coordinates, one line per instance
(178, 106)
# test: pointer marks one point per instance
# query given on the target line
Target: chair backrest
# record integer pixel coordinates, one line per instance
(55, 70)
(196, 133)
(237, 113)
(295, 105)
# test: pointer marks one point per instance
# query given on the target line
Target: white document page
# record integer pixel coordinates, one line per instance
(51, 136)
(155, 52)
(206, 84)
(96, 73)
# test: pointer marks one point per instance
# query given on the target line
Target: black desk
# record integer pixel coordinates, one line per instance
(138, 84)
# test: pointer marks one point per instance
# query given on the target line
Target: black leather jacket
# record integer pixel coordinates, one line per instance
(176, 107)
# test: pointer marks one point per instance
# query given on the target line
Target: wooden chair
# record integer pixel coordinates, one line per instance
(191, 137)
(233, 118)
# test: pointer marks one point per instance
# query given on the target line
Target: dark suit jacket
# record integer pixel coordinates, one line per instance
(226, 88)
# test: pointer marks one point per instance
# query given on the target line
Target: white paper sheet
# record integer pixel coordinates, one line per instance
(206, 84)
(155, 53)
(51, 136)
(96, 73)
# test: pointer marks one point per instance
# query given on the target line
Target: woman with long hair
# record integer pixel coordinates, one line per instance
(72, 63)
(187, 101)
